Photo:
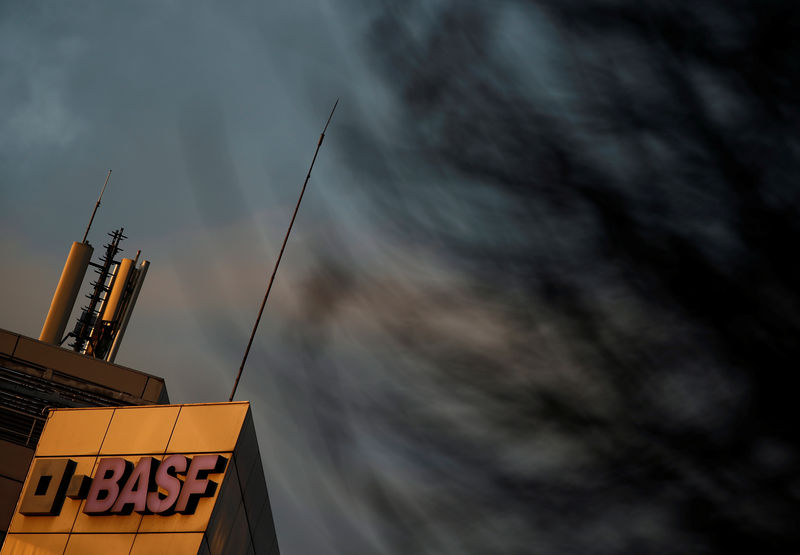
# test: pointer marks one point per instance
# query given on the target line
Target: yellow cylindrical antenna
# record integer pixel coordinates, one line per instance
(125, 317)
(66, 292)
(111, 305)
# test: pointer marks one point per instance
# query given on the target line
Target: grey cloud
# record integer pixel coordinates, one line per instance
(539, 296)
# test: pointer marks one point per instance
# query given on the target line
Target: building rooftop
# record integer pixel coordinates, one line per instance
(35, 376)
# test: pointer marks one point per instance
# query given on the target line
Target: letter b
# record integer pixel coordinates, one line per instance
(105, 485)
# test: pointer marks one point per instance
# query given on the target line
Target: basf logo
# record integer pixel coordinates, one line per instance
(118, 487)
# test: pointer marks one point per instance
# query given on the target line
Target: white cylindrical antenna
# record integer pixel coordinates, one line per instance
(66, 292)
(125, 317)
(280, 254)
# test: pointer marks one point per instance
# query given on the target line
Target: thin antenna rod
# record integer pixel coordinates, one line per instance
(95, 207)
(280, 254)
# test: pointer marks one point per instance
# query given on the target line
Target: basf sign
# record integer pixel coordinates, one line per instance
(177, 479)
(174, 485)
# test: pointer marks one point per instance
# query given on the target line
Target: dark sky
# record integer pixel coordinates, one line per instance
(542, 293)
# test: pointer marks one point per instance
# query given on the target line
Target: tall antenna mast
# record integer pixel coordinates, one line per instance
(280, 254)
(96, 206)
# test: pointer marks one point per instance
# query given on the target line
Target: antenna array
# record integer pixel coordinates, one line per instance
(89, 328)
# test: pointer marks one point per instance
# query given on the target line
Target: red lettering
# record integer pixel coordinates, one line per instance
(165, 478)
(151, 487)
(105, 486)
(134, 493)
(197, 484)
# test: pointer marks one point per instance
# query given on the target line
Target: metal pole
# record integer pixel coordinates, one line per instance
(95, 207)
(280, 254)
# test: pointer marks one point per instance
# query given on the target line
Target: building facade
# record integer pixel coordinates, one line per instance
(95, 460)
(178, 479)
(36, 377)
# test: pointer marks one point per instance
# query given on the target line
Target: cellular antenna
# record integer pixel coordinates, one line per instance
(280, 254)
(95, 207)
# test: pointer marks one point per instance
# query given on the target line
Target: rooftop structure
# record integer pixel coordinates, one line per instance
(36, 377)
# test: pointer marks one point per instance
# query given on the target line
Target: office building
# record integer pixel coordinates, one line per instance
(36, 377)
(178, 479)
(81, 436)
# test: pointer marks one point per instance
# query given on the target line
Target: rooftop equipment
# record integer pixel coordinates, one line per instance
(102, 323)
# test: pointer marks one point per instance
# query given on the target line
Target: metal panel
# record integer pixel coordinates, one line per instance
(26, 393)
(204, 547)
(55, 524)
(237, 539)
(224, 512)
(49, 480)
(255, 497)
(212, 428)
(74, 432)
(153, 390)
(35, 544)
(9, 492)
(246, 453)
(80, 366)
(99, 544)
(171, 544)
(254, 487)
(139, 430)
(263, 531)
(15, 460)
(8, 341)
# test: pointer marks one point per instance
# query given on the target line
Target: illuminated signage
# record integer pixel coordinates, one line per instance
(174, 485)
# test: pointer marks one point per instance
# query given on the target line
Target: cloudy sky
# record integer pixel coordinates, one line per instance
(541, 294)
